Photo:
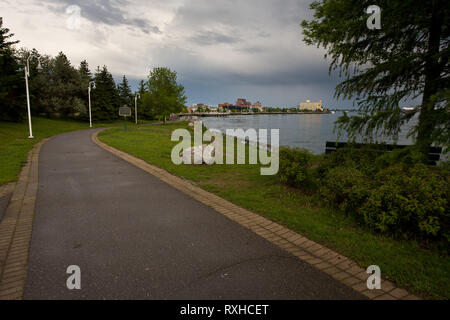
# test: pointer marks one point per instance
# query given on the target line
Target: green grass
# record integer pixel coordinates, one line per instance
(14, 142)
(421, 271)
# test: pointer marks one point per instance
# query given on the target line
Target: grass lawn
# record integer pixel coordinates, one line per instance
(14, 142)
(422, 272)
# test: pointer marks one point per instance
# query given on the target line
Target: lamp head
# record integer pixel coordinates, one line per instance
(39, 66)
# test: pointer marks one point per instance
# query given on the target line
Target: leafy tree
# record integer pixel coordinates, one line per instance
(105, 101)
(125, 95)
(12, 84)
(165, 96)
(407, 59)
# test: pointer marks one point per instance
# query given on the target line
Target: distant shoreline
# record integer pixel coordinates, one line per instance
(207, 114)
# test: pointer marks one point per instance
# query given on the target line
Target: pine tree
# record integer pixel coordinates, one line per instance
(125, 95)
(105, 98)
(142, 87)
(142, 110)
(85, 77)
(65, 87)
(12, 85)
(84, 71)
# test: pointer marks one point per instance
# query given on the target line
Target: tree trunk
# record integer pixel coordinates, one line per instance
(432, 74)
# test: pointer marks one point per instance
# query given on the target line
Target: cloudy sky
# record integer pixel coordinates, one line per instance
(221, 50)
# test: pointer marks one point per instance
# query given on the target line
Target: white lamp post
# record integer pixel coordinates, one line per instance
(27, 74)
(91, 85)
(138, 95)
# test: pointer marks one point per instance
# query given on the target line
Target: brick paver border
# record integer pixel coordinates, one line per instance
(7, 188)
(337, 266)
(15, 229)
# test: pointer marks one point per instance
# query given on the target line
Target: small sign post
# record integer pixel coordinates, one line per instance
(125, 112)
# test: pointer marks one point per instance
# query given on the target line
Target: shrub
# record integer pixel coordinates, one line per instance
(359, 158)
(345, 188)
(294, 165)
(411, 201)
(409, 156)
(393, 193)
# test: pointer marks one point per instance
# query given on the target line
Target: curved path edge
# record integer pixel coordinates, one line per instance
(16, 227)
(334, 264)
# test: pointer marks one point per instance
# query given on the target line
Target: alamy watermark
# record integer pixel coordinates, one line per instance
(374, 20)
(374, 280)
(73, 22)
(213, 153)
(74, 280)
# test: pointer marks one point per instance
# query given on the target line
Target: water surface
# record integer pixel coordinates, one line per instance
(308, 131)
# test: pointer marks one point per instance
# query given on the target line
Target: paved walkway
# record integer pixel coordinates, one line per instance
(136, 237)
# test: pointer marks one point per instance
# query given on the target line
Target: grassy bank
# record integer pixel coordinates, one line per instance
(14, 142)
(404, 262)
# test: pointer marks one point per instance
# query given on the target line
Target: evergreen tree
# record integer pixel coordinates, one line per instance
(85, 73)
(142, 111)
(125, 95)
(55, 89)
(85, 76)
(142, 87)
(65, 87)
(407, 59)
(105, 101)
(12, 84)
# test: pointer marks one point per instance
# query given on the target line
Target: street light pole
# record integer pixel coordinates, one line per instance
(135, 106)
(27, 74)
(91, 84)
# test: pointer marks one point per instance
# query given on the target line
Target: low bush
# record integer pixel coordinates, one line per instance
(393, 193)
(411, 201)
(345, 188)
(408, 156)
(294, 167)
(359, 158)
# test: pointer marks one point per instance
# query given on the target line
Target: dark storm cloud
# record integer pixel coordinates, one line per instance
(313, 75)
(293, 77)
(108, 12)
(221, 49)
(212, 38)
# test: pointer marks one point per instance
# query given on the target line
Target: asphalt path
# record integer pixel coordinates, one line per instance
(135, 237)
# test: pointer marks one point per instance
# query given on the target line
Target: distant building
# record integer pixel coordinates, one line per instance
(240, 105)
(192, 108)
(258, 105)
(311, 105)
(202, 107)
(225, 105)
(243, 103)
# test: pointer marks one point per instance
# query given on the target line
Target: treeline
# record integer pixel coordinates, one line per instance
(59, 89)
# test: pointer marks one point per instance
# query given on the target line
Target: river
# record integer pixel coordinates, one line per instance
(307, 131)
